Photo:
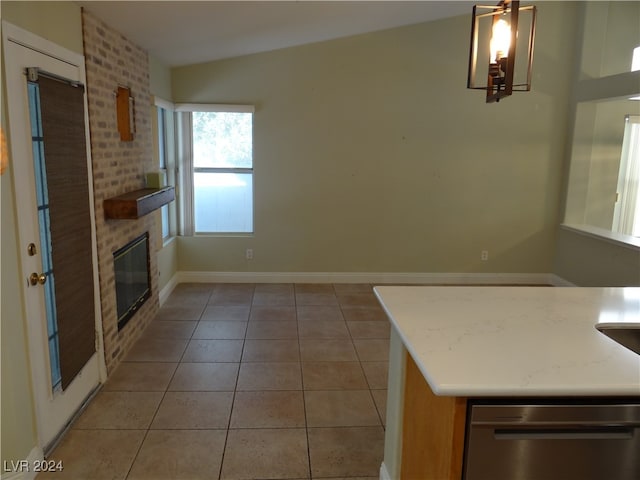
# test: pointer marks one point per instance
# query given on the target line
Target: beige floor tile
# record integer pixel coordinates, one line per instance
(347, 288)
(157, 350)
(274, 288)
(193, 288)
(269, 376)
(193, 410)
(180, 312)
(380, 399)
(261, 298)
(179, 454)
(170, 329)
(268, 330)
(205, 377)
(231, 288)
(226, 313)
(140, 377)
(372, 350)
(327, 350)
(119, 410)
(359, 313)
(268, 410)
(333, 376)
(266, 453)
(286, 350)
(316, 298)
(369, 329)
(213, 351)
(220, 330)
(319, 313)
(323, 329)
(377, 374)
(340, 408)
(358, 299)
(189, 296)
(95, 454)
(233, 296)
(314, 288)
(273, 313)
(346, 452)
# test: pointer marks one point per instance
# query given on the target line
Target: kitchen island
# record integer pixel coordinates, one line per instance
(453, 344)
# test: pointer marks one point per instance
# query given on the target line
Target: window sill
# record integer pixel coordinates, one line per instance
(619, 239)
(224, 234)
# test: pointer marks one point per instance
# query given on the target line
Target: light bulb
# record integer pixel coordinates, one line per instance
(500, 40)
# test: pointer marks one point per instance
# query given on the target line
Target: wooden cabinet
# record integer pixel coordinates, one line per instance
(433, 430)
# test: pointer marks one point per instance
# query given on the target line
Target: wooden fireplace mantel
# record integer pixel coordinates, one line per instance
(135, 204)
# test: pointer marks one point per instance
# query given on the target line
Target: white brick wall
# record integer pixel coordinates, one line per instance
(118, 167)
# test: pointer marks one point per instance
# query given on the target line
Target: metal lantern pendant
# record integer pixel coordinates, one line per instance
(498, 38)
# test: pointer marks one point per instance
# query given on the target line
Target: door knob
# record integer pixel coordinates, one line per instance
(34, 279)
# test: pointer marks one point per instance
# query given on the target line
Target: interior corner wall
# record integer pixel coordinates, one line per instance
(118, 167)
(371, 155)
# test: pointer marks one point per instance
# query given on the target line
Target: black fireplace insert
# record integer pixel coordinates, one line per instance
(133, 280)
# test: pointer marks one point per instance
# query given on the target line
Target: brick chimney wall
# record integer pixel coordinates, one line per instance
(118, 167)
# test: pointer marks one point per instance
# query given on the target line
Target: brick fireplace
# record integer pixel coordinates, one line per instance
(118, 167)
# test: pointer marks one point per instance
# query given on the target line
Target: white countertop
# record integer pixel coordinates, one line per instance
(516, 341)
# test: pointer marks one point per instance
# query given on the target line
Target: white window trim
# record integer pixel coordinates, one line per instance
(185, 160)
(172, 171)
(184, 144)
(214, 107)
(162, 103)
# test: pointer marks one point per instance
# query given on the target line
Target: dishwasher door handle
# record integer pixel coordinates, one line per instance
(587, 433)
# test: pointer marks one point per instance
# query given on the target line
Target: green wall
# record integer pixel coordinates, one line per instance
(370, 154)
(60, 23)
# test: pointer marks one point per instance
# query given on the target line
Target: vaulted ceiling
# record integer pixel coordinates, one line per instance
(187, 32)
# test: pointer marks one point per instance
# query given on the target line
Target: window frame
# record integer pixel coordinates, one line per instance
(184, 122)
(171, 170)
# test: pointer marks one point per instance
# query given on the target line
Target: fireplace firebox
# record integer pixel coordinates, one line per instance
(133, 280)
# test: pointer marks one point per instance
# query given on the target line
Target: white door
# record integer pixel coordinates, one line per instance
(54, 406)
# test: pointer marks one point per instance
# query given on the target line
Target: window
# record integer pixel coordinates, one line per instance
(162, 156)
(626, 216)
(220, 138)
(166, 155)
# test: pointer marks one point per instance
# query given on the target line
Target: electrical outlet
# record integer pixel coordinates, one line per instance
(484, 255)
(249, 254)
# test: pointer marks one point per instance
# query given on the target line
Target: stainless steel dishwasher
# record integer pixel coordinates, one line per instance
(538, 441)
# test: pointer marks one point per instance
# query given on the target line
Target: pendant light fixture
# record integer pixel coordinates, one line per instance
(498, 34)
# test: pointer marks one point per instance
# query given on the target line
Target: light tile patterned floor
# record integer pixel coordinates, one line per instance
(243, 381)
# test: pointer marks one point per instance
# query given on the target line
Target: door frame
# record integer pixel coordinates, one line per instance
(25, 204)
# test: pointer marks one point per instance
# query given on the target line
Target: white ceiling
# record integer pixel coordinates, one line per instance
(187, 32)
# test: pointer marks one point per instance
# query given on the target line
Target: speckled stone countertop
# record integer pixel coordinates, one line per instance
(517, 341)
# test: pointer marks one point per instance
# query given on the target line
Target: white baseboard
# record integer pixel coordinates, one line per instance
(23, 470)
(167, 289)
(372, 278)
(384, 474)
